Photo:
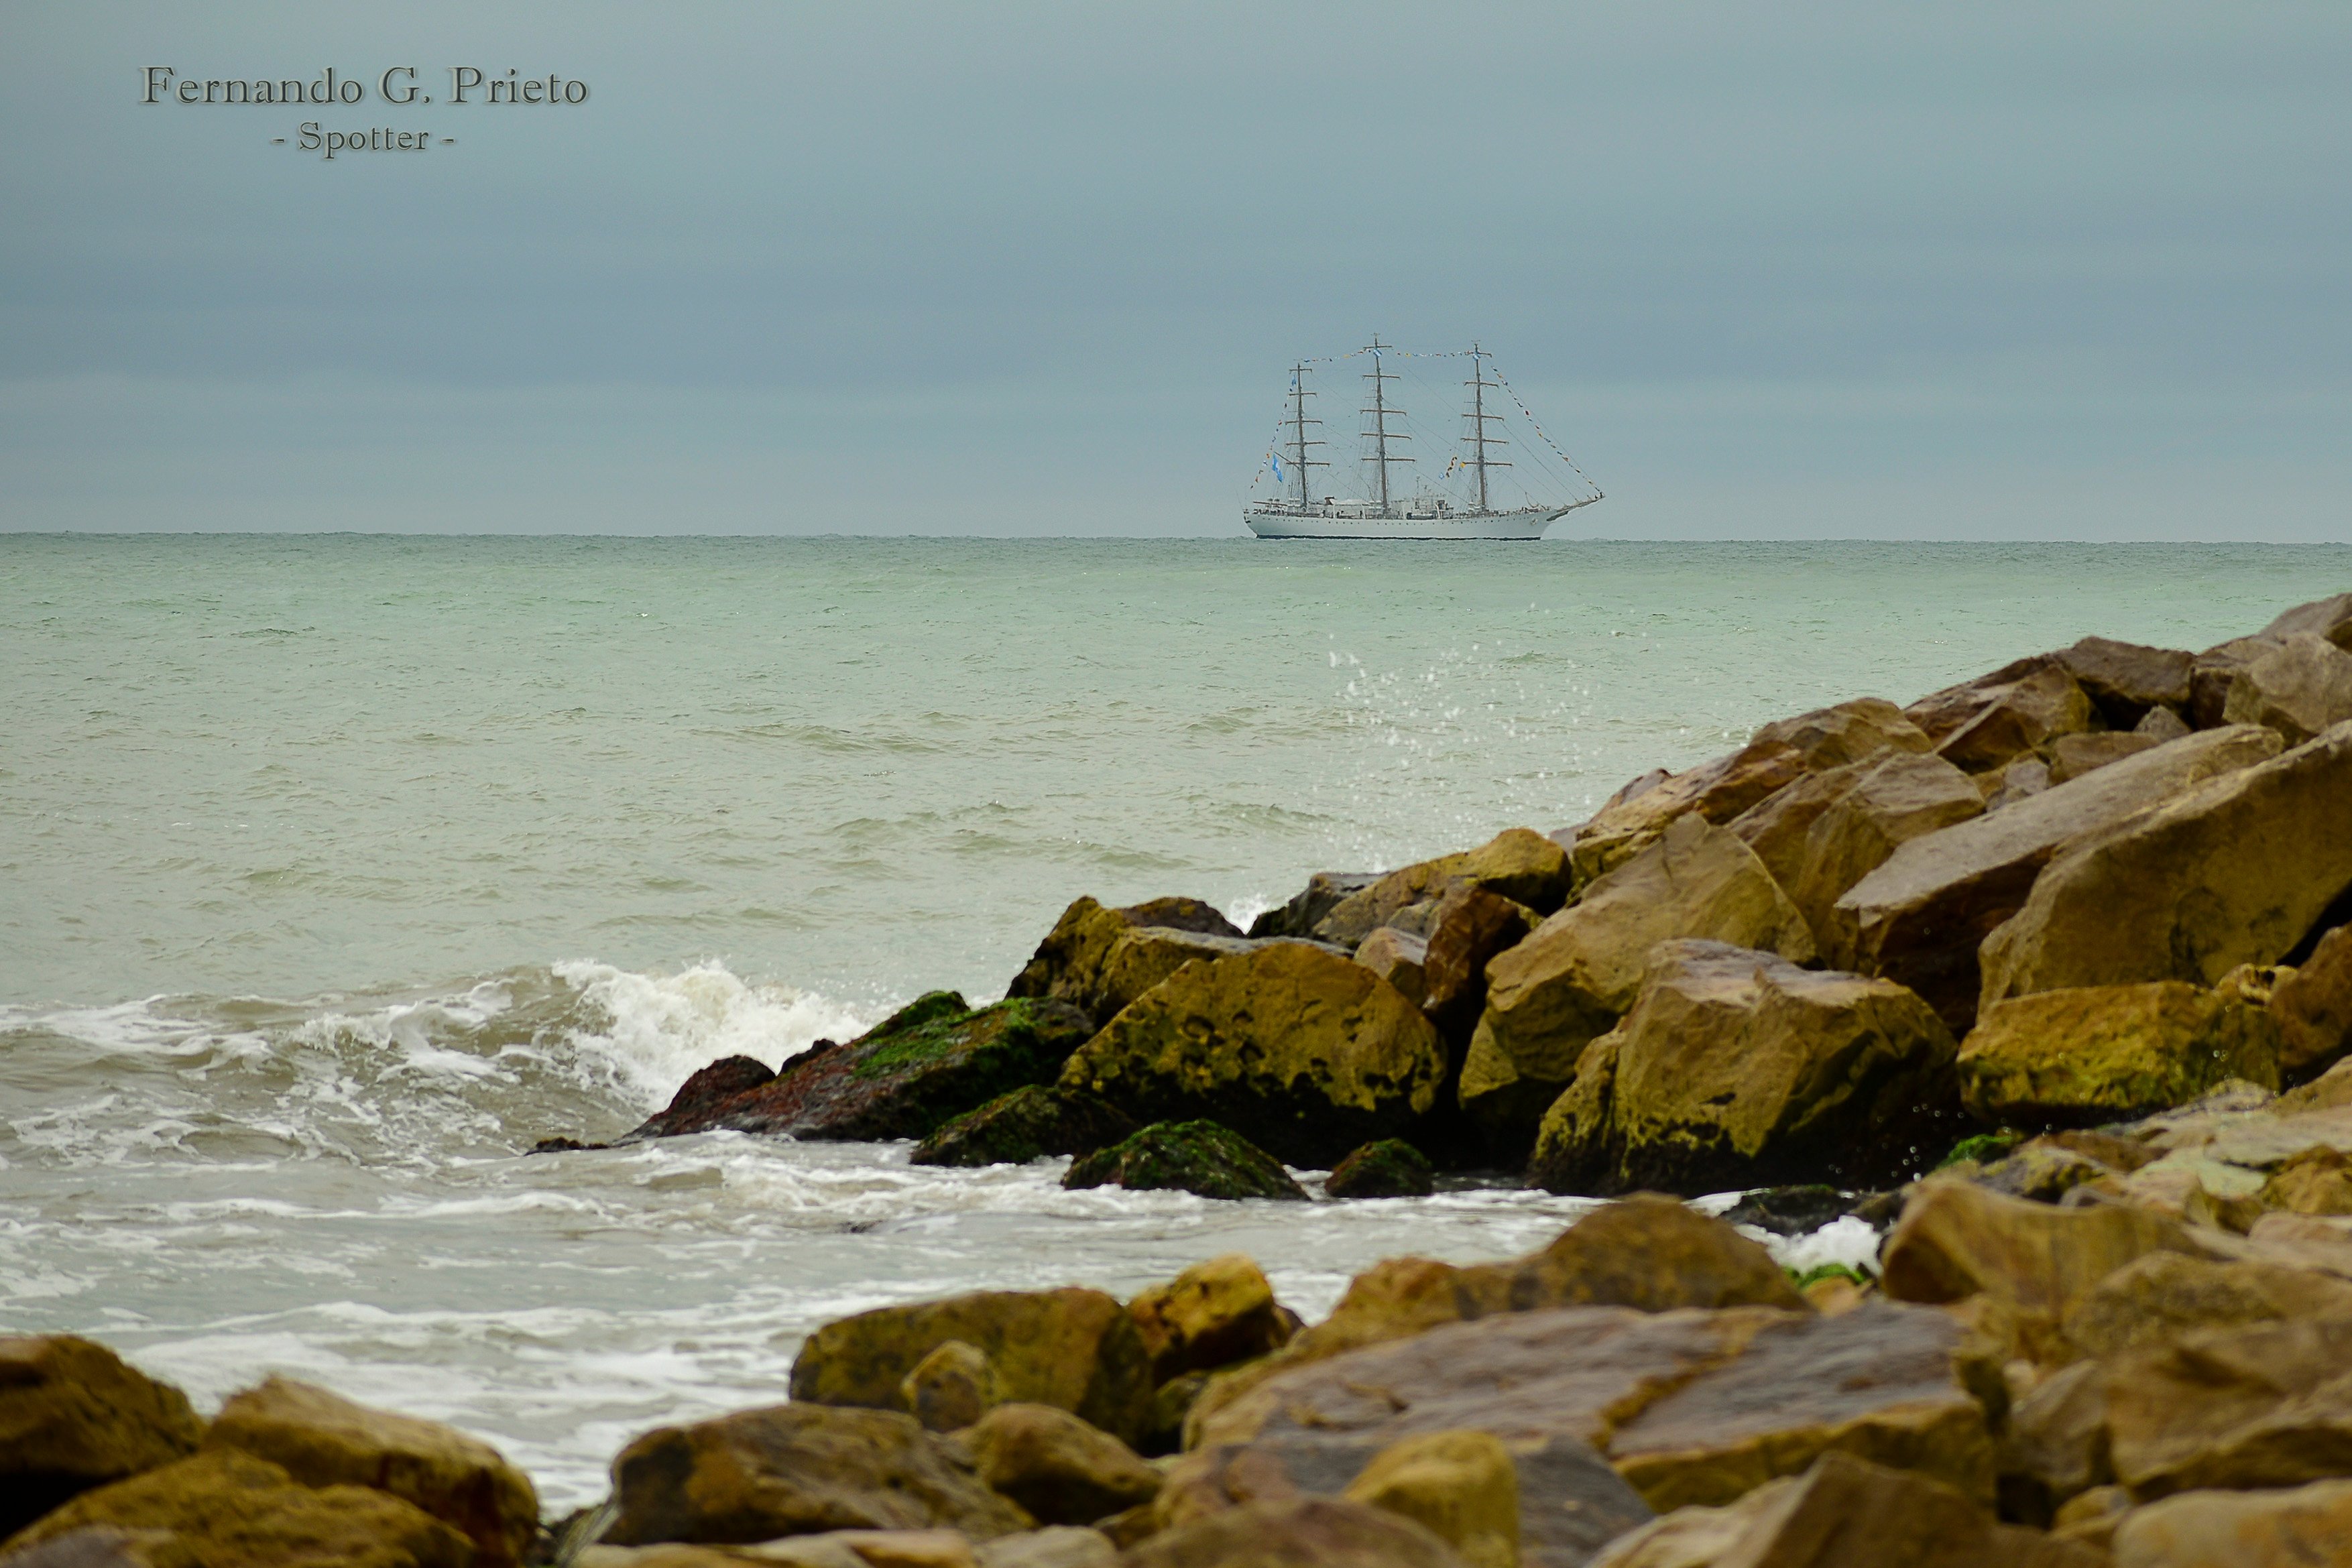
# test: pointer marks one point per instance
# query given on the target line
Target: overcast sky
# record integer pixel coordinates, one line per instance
(2008, 271)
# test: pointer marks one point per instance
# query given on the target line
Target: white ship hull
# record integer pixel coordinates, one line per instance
(1295, 524)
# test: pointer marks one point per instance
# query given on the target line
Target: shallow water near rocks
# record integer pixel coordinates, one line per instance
(340, 870)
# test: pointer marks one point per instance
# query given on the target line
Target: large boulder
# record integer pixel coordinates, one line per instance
(1647, 1252)
(1892, 801)
(1060, 1469)
(2300, 1526)
(2299, 688)
(2072, 755)
(1736, 1070)
(229, 1509)
(1468, 929)
(1219, 1310)
(1206, 1158)
(323, 1440)
(2018, 718)
(795, 1469)
(2102, 1053)
(1776, 756)
(1299, 1532)
(2126, 680)
(1554, 994)
(2314, 1008)
(1920, 918)
(1030, 1123)
(2330, 618)
(1072, 1348)
(1075, 961)
(1401, 958)
(2235, 870)
(1390, 1168)
(1844, 1512)
(2162, 1295)
(1324, 891)
(1518, 863)
(74, 1415)
(1295, 1048)
(1461, 1484)
(932, 1060)
(2248, 1405)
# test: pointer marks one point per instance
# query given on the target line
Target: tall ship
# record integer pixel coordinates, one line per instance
(1483, 493)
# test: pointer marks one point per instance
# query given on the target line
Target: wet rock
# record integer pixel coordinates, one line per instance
(2161, 725)
(2235, 870)
(697, 1100)
(229, 1509)
(74, 1415)
(323, 1440)
(1074, 1349)
(1647, 1252)
(1219, 1310)
(1462, 1485)
(1200, 1158)
(932, 1060)
(1518, 863)
(1323, 893)
(1059, 1467)
(2127, 680)
(1919, 918)
(2251, 1404)
(2294, 1528)
(2103, 1053)
(1304, 1532)
(951, 1387)
(2300, 688)
(1293, 1047)
(2021, 716)
(1032, 1123)
(1566, 986)
(2313, 1006)
(1390, 1168)
(2072, 755)
(1468, 928)
(1076, 962)
(1736, 1069)
(1844, 1512)
(1398, 958)
(1789, 1211)
(1776, 756)
(796, 1469)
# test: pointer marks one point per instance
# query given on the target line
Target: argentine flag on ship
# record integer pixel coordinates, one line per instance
(1276, 461)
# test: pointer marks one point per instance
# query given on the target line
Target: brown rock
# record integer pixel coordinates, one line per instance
(1390, 1168)
(1919, 918)
(951, 1387)
(1293, 1047)
(74, 1415)
(2090, 1517)
(1518, 863)
(795, 1469)
(1737, 1070)
(1398, 958)
(2055, 1445)
(1072, 1348)
(1061, 1469)
(2235, 870)
(2300, 688)
(1893, 801)
(2314, 1008)
(1323, 893)
(1029, 1124)
(1305, 1533)
(2102, 1053)
(1844, 1512)
(2248, 1405)
(1056, 1546)
(2215, 672)
(2316, 1181)
(323, 1440)
(2330, 618)
(1462, 1485)
(2127, 680)
(1566, 986)
(2072, 755)
(2022, 717)
(1070, 963)
(2161, 1295)
(2300, 1528)
(2161, 725)
(1471, 926)
(1217, 1312)
(228, 1509)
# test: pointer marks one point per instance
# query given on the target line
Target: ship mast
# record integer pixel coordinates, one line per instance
(1299, 423)
(1380, 434)
(1478, 416)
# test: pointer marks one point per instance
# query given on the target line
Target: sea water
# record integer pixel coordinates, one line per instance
(336, 870)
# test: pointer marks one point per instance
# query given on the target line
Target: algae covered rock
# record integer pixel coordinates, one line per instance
(697, 1100)
(1059, 1467)
(1390, 1168)
(795, 1469)
(1736, 1069)
(1032, 1123)
(1200, 1157)
(2313, 1006)
(74, 1415)
(1074, 1349)
(323, 1439)
(229, 1509)
(1219, 1310)
(1518, 863)
(951, 1387)
(1074, 964)
(1551, 996)
(2103, 1053)
(932, 1060)
(1295, 1048)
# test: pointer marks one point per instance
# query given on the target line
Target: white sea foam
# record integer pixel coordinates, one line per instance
(663, 1026)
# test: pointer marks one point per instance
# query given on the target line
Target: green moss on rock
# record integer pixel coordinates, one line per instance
(1032, 1123)
(1388, 1168)
(1200, 1157)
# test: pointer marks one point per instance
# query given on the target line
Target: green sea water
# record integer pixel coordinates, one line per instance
(336, 870)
